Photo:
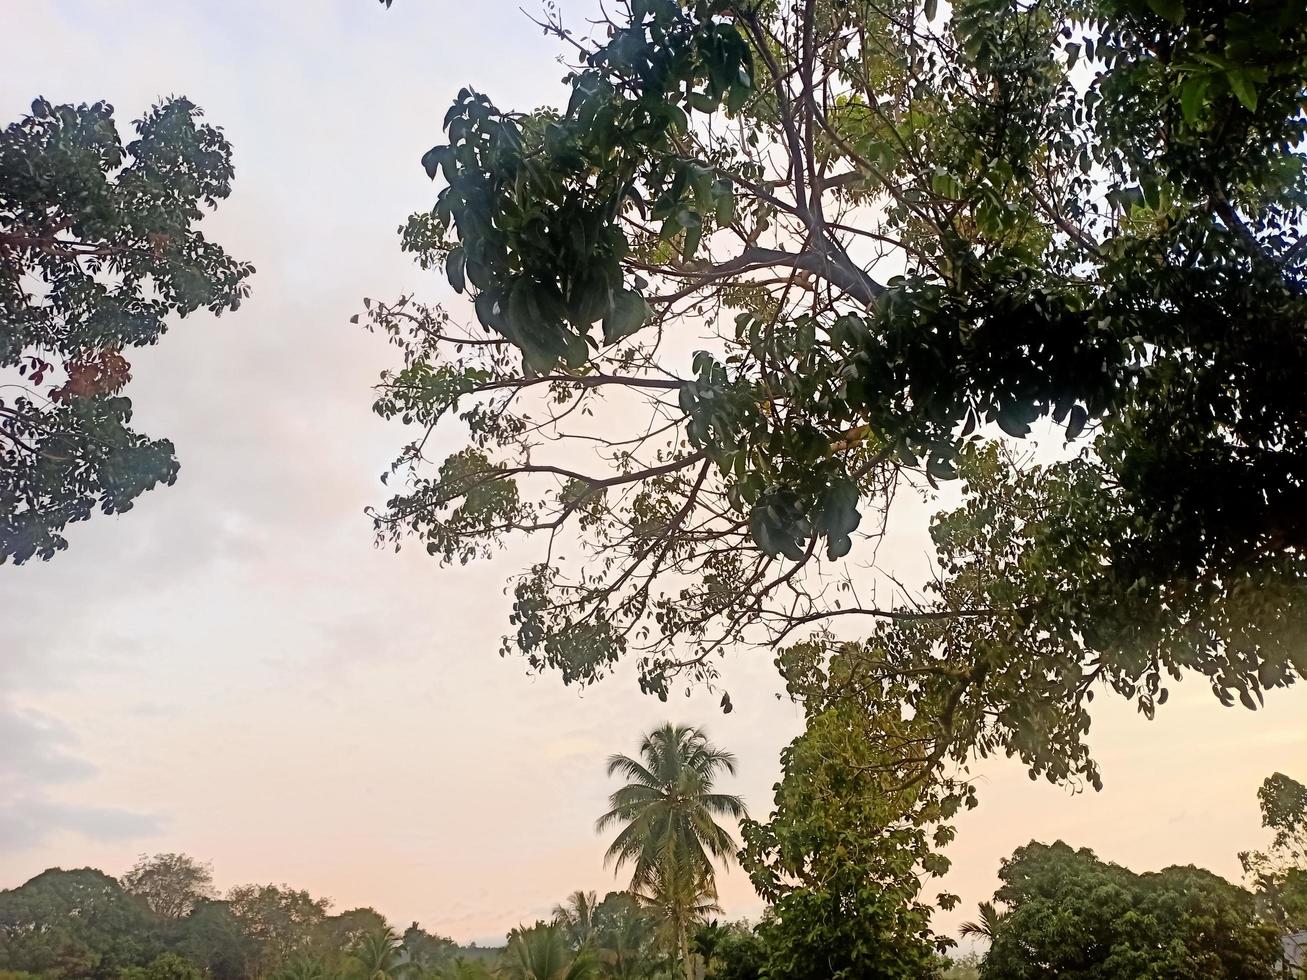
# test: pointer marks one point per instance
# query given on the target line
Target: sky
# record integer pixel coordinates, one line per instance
(233, 670)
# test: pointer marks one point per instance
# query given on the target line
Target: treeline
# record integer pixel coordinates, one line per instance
(1058, 912)
(163, 921)
(843, 900)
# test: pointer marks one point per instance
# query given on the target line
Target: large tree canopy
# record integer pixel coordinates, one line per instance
(1072, 915)
(776, 261)
(98, 247)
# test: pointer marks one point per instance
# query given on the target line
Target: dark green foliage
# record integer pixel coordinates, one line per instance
(65, 924)
(427, 951)
(1071, 915)
(1088, 213)
(212, 938)
(625, 941)
(282, 923)
(844, 857)
(98, 248)
(731, 952)
(168, 966)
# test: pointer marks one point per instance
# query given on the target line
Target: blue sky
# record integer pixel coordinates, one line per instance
(233, 670)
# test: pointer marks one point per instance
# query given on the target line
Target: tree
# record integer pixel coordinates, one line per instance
(1279, 874)
(624, 938)
(169, 966)
(731, 952)
(214, 938)
(668, 816)
(281, 922)
(427, 951)
(850, 844)
(910, 234)
(1071, 915)
(576, 917)
(679, 895)
(541, 953)
(75, 924)
(98, 248)
(378, 955)
(986, 926)
(340, 934)
(173, 885)
(464, 969)
(303, 968)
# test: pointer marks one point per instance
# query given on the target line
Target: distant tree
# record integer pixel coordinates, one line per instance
(668, 814)
(540, 952)
(732, 951)
(427, 951)
(281, 921)
(378, 955)
(680, 897)
(576, 917)
(461, 968)
(1075, 917)
(214, 938)
(1279, 873)
(624, 938)
(304, 968)
(340, 933)
(168, 966)
(966, 967)
(66, 924)
(98, 248)
(171, 884)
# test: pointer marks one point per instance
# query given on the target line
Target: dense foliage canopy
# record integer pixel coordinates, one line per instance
(1072, 915)
(776, 261)
(98, 249)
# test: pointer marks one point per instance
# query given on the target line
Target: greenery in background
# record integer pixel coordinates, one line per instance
(99, 248)
(1068, 914)
(838, 878)
(1279, 873)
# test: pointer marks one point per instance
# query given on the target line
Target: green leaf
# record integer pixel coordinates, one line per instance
(1242, 86)
(431, 161)
(703, 102)
(840, 517)
(1172, 10)
(1192, 95)
(725, 208)
(932, 8)
(629, 313)
(454, 269)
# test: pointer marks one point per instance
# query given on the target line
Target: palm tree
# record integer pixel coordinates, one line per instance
(625, 939)
(668, 812)
(379, 956)
(991, 919)
(541, 953)
(678, 897)
(576, 917)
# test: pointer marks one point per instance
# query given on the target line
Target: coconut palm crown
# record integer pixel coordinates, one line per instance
(667, 809)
